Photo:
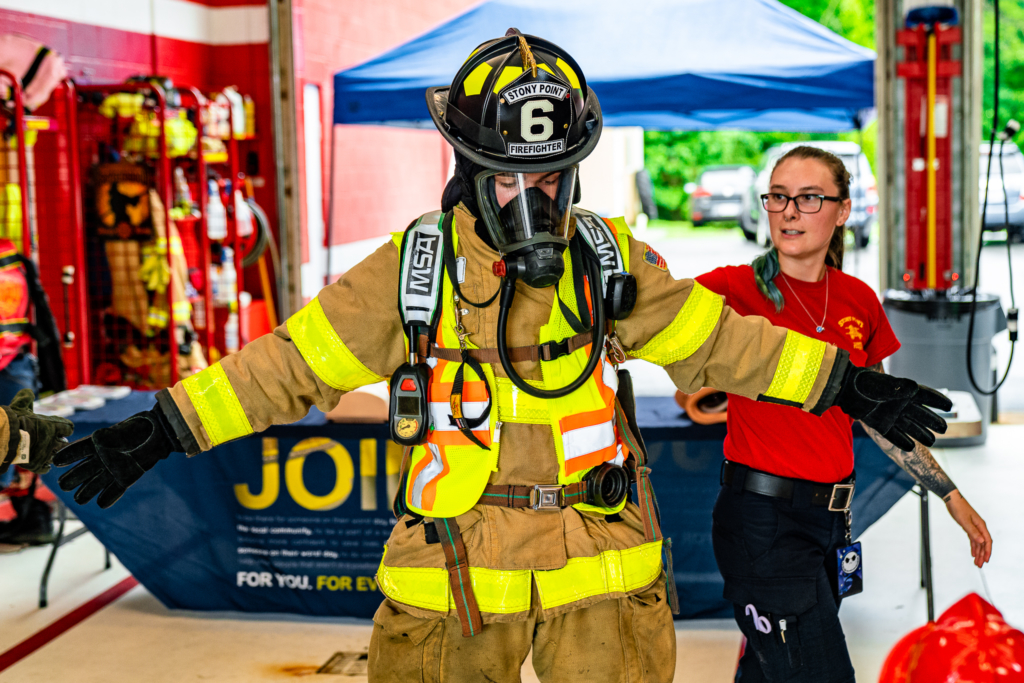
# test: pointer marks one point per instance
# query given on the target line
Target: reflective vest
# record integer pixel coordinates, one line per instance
(14, 302)
(447, 475)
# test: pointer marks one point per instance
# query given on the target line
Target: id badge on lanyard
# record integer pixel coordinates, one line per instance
(850, 564)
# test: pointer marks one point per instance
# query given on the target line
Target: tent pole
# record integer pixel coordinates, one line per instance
(283, 101)
(329, 237)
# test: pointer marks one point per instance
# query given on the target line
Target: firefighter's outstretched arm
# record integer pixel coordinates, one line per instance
(687, 329)
(349, 336)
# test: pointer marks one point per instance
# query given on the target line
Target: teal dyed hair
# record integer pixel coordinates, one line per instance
(766, 266)
(766, 269)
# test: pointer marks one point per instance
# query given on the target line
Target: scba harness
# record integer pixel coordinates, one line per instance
(448, 406)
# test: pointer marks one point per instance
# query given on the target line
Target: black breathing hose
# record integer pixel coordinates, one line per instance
(508, 292)
(981, 229)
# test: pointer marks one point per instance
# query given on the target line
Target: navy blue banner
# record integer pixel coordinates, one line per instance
(295, 519)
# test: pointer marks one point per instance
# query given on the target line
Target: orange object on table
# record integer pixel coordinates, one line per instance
(707, 406)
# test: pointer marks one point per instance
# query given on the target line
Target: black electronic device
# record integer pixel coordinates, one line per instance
(409, 413)
(620, 296)
(607, 485)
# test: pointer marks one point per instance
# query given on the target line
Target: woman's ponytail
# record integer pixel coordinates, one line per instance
(766, 269)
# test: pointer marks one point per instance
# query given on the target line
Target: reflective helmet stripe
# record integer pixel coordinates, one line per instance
(797, 369)
(217, 405)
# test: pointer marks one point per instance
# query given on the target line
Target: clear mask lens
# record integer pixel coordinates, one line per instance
(526, 208)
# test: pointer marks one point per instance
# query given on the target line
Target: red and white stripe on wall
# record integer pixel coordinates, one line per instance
(209, 22)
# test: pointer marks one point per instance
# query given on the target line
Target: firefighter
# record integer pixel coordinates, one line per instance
(517, 526)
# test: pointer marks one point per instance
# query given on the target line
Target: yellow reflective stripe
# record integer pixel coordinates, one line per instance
(684, 335)
(324, 352)
(613, 571)
(574, 80)
(500, 591)
(217, 405)
(182, 311)
(547, 68)
(397, 238)
(519, 407)
(474, 83)
(497, 591)
(797, 369)
(508, 74)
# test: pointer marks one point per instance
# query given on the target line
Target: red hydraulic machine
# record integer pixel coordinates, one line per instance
(928, 69)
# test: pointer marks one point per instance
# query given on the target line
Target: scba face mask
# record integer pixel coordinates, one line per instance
(528, 216)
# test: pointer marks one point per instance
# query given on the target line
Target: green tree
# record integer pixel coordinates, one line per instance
(674, 158)
(1011, 65)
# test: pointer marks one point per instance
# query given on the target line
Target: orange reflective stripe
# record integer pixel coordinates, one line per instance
(455, 438)
(425, 476)
(441, 392)
(580, 420)
(592, 459)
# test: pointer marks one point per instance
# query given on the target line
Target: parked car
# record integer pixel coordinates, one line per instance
(863, 190)
(722, 194)
(1004, 210)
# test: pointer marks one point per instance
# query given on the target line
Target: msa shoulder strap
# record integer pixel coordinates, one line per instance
(601, 240)
(619, 285)
(419, 290)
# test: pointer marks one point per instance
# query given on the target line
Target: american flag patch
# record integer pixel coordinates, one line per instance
(654, 258)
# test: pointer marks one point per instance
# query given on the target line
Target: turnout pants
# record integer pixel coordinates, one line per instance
(778, 559)
(625, 639)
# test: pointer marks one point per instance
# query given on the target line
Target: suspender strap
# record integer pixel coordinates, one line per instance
(549, 351)
(458, 575)
(450, 265)
(465, 424)
(625, 420)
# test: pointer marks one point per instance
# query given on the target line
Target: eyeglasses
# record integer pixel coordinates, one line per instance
(805, 203)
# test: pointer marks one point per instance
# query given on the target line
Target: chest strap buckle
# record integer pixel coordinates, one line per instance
(546, 497)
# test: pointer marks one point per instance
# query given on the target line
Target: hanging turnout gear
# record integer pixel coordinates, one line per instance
(14, 302)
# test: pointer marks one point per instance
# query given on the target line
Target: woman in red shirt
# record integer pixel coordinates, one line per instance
(779, 519)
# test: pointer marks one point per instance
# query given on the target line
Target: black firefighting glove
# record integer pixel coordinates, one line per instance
(46, 434)
(114, 458)
(895, 407)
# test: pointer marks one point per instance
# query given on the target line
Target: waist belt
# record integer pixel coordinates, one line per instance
(517, 354)
(837, 497)
(539, 497)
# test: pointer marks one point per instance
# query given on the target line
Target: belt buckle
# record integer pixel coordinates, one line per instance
(847, 498)
(546, 497)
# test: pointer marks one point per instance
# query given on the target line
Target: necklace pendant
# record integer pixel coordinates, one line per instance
(819, 329)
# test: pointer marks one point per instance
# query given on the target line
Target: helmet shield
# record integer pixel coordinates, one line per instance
(522, 209)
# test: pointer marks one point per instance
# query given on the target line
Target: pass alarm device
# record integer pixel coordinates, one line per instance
(409, 413)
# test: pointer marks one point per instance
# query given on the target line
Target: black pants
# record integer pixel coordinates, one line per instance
(778, 558)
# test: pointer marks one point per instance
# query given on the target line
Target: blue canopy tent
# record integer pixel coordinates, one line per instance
(660, 64)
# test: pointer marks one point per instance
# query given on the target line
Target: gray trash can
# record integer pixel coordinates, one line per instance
(933, 334)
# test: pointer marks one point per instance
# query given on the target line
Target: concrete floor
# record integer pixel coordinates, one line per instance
(136, 638)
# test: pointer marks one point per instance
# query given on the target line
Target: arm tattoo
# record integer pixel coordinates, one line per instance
(919, 463)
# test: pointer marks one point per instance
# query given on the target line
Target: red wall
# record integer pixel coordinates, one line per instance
(384, 177)
(95, 54)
